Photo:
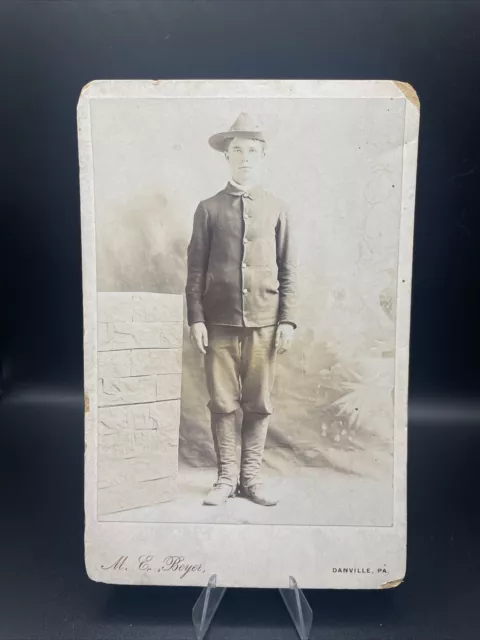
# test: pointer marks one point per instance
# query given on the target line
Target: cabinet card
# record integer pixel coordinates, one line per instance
(247, 261)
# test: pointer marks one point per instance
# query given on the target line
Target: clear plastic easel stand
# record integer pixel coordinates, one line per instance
(297, 606)
(207, 604)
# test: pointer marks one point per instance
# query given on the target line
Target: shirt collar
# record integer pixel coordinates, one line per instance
(235, 189)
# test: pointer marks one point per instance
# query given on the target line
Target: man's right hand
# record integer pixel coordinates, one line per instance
(199, 336)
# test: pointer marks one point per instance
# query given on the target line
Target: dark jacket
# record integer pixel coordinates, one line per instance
(241, 261)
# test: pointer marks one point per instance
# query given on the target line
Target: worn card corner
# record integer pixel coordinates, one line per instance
(409, 93)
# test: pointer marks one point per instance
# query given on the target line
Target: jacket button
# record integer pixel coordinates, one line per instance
(244, 265)
(245, 291)
(245, 241)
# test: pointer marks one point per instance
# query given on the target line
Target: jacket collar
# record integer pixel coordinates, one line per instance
(235, 190)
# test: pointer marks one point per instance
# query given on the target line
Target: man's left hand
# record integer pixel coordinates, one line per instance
(284, 337)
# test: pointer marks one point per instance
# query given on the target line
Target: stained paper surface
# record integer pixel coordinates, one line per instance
(343, 155)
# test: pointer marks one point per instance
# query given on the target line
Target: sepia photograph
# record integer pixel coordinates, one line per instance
(247, 257)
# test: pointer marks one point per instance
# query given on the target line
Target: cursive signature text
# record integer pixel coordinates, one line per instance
(148, 563)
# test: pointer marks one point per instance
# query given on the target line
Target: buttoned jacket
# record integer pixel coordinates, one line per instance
(241, 260)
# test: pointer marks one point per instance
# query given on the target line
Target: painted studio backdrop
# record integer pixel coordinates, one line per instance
(338, 164)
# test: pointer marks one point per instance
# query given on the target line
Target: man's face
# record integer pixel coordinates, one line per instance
(245, 157)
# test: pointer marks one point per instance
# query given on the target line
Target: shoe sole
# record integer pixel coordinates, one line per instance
(261, 504)
(206, 503)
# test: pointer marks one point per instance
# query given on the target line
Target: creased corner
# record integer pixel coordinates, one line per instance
(409, 92)
(392, 584)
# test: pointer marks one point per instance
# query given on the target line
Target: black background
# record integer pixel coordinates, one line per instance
(48, 51)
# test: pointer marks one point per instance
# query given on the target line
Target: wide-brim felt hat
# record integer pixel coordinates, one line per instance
(243, 127)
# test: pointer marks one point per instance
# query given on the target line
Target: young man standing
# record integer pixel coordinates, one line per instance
(241, 306)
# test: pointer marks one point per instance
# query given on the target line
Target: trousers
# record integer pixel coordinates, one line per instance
(240, 370)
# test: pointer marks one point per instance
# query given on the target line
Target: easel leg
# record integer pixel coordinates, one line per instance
(206, 606)
(298, 608)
